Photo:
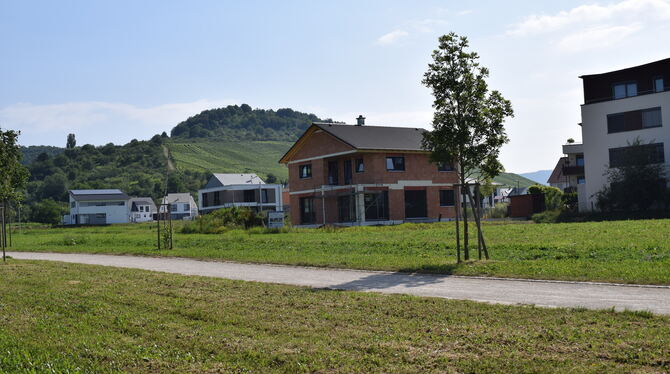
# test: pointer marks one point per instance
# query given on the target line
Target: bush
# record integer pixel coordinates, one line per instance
(222, 220)
(552, 196)
(47, 211)
(498, 211)
(548, 216)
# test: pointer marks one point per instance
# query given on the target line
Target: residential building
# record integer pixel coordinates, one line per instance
(97, 207)
(362, 175)
(569, 171)
(241, 190)
(181, 206)
(142, 209)
(619, 107)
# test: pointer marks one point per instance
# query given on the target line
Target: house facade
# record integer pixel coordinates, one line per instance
(240, 190)
(142, 209)
(620, 107)
(97, 207)
(181, 206)
(365, 175)
(569, 173)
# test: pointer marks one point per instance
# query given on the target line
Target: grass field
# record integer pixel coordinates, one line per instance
(262, 157)
(621, 251)
(67, 318)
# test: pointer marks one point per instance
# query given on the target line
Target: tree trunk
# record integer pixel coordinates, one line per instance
(458, 226)
(466, 249)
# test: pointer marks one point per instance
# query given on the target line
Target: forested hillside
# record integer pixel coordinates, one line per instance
(243, 123)
(138, 168)
(31, 152)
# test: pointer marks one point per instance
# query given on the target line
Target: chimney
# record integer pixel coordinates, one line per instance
(360, 121)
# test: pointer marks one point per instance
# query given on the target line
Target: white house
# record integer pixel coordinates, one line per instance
(241, 190)
(182, 206)
(97, 207)
(142, 209)
(568, 175)
(620, 107)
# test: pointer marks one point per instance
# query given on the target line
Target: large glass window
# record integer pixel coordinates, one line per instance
(579, 160)
(395, 163)
(347, 172)
(346, 208)
(305, 171)
(445, 166)
(376, 206)
(647, 153)
(307, 213)
(658, 85)
(634, 120)
(622, 90)
(205, 200)
(217, 198)
(447, 198)
(333, 173)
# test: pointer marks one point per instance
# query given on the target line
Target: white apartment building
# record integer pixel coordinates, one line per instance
(620, 107)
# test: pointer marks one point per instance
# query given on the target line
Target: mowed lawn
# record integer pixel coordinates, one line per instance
(621, 251)
(68, 318)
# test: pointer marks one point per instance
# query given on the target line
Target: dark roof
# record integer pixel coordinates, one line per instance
(664, 61)
(96, 195)
(557, 175)
(376, 137)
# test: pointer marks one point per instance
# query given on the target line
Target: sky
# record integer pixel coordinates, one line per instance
(112, 71)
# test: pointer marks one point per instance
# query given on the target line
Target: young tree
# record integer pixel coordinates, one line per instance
(13, 177)
(468, 121)
(71, 141)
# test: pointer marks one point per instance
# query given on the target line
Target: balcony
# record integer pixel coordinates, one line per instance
(573, 148)
(573, 170)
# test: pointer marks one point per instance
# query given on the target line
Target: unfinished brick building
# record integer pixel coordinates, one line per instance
(361, 175)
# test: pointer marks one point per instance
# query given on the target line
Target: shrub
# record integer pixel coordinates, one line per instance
(548, 216)
(223, 220)
(552, 196)
(498, 211)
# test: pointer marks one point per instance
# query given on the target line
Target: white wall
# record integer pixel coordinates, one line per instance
(597, 141)
(114, 214)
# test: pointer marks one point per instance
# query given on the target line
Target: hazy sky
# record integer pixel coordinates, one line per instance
(111, 71)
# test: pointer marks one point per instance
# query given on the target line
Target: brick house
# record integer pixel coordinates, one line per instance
(362, 175)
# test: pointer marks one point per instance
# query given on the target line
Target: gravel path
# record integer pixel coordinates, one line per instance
(491, 290)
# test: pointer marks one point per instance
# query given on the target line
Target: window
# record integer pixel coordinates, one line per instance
(658, 85)
(217, 198)
(376, 206)
(631, 155)
(579, 161)
(581, 179)
(305, 171)
(73, 204)
(347, 172)
(346, 208)
(622, 90)
(447, 198)
(333, 173)
(249, 196)
(205, 200)
(360, 167)
(396, 163)
(445, 166)
(307, 213)
(634, 120)
(264, 196)
(187, 207)
(141, 208)
(173, 207)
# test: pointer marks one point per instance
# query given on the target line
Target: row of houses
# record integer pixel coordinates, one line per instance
(619, 108)
(369, 175)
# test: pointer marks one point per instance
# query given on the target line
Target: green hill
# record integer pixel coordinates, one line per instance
(31, 152)
(243, 123)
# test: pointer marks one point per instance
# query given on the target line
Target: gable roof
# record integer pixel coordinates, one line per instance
(135, 201)
(220, 179)
(557, 175)
(183, 197)
(95, 195)
(365, 137)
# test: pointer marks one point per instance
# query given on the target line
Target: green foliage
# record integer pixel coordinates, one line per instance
(468, 121)
(637, 185)
(553, 197)
(243, 123)
(548, 216)
(222, 220)
(137, 168)
(71, 141)
(13, 175)
(47, 211)
(498, 211)
(31, 153)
